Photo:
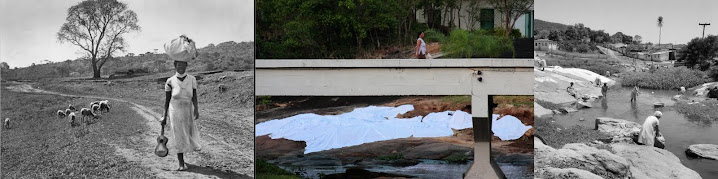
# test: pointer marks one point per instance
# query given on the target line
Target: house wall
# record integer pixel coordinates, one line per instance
(465, 20)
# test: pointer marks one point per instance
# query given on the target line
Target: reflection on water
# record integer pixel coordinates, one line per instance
(679, 130)
(425, 169)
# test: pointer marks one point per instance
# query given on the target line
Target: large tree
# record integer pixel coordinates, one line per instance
(97, 27)
(511, 11)
(700, 51)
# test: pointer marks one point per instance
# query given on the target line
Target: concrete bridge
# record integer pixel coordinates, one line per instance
(480, 78)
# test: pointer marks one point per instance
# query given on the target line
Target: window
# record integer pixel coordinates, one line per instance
(486, 19)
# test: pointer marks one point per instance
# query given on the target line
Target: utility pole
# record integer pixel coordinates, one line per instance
(704, 28)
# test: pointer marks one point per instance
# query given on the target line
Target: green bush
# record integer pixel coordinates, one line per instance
(432, 35)
(671, 78)
(464, 44)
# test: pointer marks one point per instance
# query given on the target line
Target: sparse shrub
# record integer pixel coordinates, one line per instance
(671, 78)
(599, 66)
(457, 158)
(390, 157)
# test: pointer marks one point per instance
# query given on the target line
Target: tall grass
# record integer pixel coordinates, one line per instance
(671, 78)
(465, 44)
(432, 35)
(268, 170)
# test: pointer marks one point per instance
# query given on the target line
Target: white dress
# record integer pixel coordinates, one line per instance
(648, 132)
(185, 136)
(422, 46)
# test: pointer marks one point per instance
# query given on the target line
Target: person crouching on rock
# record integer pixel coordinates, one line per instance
(571, 91)
(181, 101)
(650, 134)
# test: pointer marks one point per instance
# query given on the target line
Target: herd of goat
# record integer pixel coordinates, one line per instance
(91, 113)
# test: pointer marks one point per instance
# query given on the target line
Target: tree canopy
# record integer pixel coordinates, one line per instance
(97, 26)
(700, 51)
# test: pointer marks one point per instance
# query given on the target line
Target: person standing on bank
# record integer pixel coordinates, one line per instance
(420, 47)
(181, 107)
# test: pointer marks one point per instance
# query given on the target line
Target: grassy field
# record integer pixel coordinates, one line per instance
(40, 145)
(671, 78)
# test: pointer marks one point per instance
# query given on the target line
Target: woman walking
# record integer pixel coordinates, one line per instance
(181, 107)
(420, 47)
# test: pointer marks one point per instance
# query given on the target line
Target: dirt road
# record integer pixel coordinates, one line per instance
(214, 148)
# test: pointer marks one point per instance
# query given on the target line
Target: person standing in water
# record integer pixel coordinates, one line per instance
(604, 90)
(634, 94)
(420, 47)
(650, 134)
(181, 108)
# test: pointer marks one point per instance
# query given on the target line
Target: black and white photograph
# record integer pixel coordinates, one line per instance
(626, 89)
(127, 89)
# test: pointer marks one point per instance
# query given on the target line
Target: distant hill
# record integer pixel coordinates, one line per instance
(541, 25)
(223, 56)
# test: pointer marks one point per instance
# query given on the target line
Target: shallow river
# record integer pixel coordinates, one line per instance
(679, 131)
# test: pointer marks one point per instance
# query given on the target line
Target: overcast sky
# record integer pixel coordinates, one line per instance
(636, 17)
(29, 27)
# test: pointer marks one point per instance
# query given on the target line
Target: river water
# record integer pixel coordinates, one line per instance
(679, 131)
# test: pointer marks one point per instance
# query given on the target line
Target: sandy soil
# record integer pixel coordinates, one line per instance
(225, 131)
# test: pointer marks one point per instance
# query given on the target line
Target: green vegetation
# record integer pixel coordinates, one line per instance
(432, 35)
(517, 101)
(578, 38)
(465, 44)
(457, 158)
(390, 157)
(264, 100)
(267, 170)
(670, 78)
(462, 99)
(599, 66)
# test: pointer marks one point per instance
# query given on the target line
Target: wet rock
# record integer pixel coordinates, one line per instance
(652, 162)
(621, 131)
(598, 161)
(709, 151)
(318, 160)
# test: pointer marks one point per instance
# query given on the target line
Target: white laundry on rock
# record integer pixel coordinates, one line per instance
(508, 127)
(362, 125)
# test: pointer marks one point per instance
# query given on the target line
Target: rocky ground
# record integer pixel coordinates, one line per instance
(225, 117)
(613, 156)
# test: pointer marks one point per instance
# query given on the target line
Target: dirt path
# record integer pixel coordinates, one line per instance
(162, 167)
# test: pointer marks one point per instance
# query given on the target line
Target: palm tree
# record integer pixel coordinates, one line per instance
(660, 25)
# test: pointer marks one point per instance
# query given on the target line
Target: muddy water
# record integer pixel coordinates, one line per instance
(679, 131)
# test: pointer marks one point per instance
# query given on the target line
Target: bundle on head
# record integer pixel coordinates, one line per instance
(72, 118)
(95, 107)
(71, 107)
(94, 102)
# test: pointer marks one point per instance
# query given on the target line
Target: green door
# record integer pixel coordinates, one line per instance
(486, 17)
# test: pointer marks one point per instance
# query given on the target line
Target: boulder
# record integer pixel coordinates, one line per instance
(621, 131)
(541, 111)
(598, 161)
(652, 162)
(551, 172)
(550, 84)
(709, 151)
